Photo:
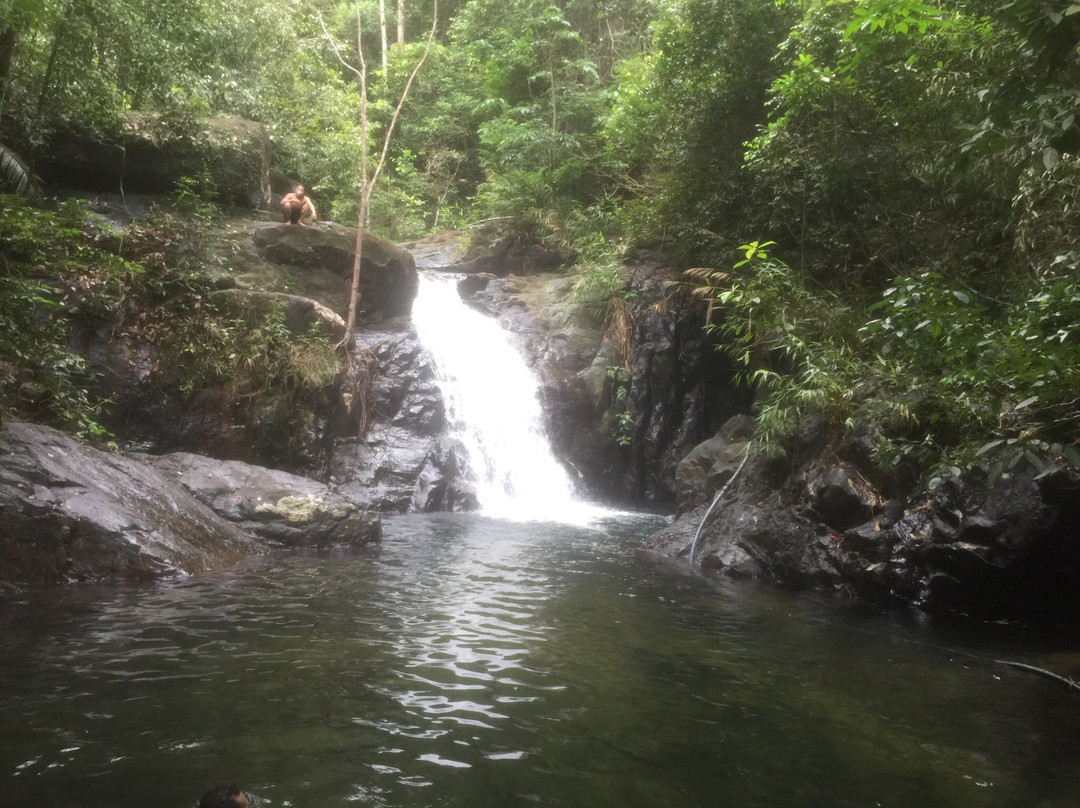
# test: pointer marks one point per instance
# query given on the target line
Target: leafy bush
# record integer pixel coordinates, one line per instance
(955, 378)
(986, 381)
(798, 346)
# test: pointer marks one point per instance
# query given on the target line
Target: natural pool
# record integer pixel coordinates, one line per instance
(475, 662)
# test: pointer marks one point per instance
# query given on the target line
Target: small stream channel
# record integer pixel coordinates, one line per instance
(520, 657)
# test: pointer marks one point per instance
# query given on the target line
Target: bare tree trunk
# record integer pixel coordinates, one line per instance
(365, 195)
(367, 184)
(401, 22)
(382, 31)
(9, 38)
(46, 81)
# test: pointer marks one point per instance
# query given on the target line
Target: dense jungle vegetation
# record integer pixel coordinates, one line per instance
(879, 199)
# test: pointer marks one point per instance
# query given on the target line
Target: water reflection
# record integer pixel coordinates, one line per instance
(472, 662)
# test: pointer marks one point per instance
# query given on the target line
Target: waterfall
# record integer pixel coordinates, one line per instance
(493, 407)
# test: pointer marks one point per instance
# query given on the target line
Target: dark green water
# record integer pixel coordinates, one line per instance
(469, 662)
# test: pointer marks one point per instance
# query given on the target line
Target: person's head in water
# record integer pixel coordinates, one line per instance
(224, 797)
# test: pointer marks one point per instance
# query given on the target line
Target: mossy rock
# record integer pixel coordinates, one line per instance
(150, 154)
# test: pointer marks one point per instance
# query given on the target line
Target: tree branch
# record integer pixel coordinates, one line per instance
(404, 95)
(333, 44)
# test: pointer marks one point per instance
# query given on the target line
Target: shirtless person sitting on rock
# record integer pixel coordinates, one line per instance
(299, 209)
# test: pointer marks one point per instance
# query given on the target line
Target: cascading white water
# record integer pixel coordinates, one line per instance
(493, 408)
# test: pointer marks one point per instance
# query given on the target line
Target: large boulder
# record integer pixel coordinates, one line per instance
(324, 255)
(292, 510)
(150, 154)
(488, 250)
(69, 512)
(680, 388)
(712, 463)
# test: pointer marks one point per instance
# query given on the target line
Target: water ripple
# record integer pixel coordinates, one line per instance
(474, 662)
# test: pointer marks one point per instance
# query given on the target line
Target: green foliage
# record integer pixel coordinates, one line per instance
(252, 354)
(862, 134)
(57, 273)
(798, 346)
(681, 114)
(598, 280)
(622, 424)
(957, 379)
(543, 103)
(922, 156)
(16, 175)
(50, 272)
(40, 378)
(980, 377)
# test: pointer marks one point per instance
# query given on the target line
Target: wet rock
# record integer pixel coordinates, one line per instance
(471, 285)
(841, 497)
(441, 252)
(680, 390)
(406, 462)
(69, 512)
(441, 484)
(294, 511)
(547, 326)
(152, 412)
(571, 418)
(1008, 549)
(325, 252)
(712, 463)
(869, 542)
(486, 252)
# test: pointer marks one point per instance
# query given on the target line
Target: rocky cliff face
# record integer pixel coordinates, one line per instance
(681, 387)
(825, 519)
(305, 273)
(678, 390)
(406, 462)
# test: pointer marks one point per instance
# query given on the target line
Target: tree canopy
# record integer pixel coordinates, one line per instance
(913, 164)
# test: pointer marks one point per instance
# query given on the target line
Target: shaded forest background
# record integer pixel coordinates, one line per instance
(877, 199)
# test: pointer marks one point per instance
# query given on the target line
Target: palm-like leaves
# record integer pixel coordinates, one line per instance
(16, 174)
